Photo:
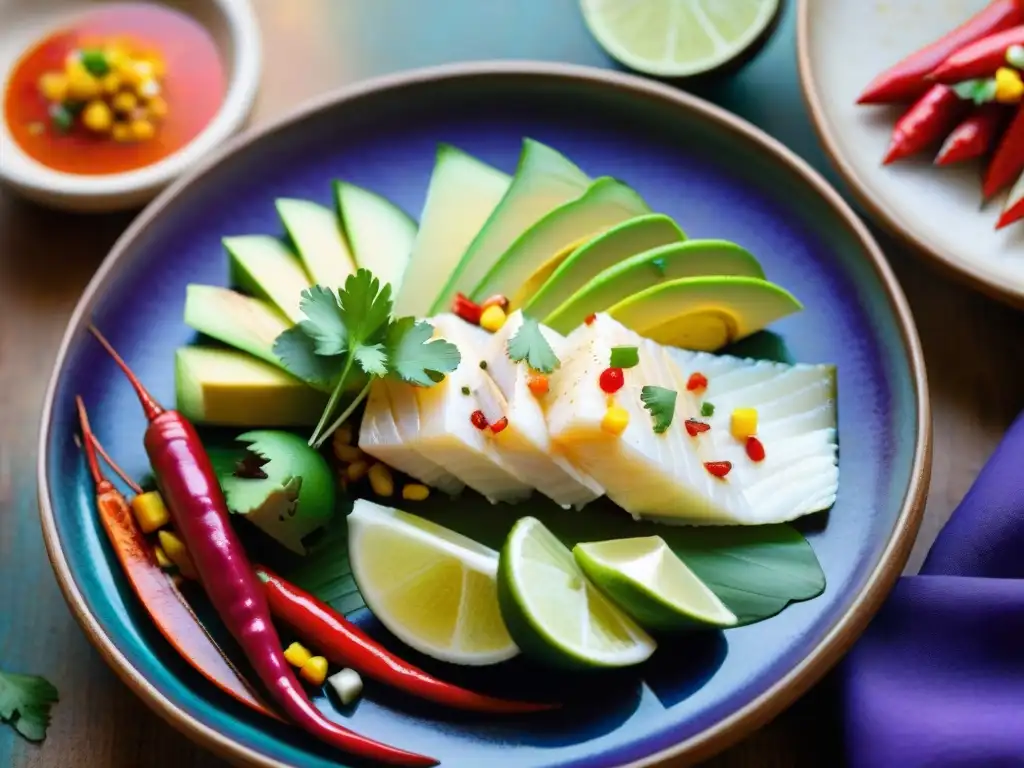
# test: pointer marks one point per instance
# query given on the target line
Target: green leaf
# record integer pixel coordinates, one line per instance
(707, 409)
(529, 344)
(414, 358)
(371, 358)
(661, 402)
(325, 324)
(297, 352)
(365, 308)
(25, 702)
(978, 91)
(624, 357)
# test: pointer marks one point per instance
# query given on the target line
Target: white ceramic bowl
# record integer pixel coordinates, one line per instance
(232, 24)
(842, 45)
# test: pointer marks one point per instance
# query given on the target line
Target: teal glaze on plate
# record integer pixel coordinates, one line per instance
(717, 182)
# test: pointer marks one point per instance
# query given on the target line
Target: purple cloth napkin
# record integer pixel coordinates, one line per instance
(938, 678)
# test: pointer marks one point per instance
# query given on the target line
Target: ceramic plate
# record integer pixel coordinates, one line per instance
(719, 177)
(842, 45)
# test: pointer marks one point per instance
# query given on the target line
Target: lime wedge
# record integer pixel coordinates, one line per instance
(432, 588)
(554, 614)
(678, 38)
(647, 580)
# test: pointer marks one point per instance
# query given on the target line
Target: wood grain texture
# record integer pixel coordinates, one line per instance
(973, 349)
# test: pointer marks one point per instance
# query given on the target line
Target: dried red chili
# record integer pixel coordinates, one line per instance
(478, 419)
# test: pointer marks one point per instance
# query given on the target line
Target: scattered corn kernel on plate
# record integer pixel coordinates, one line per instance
(505, 435)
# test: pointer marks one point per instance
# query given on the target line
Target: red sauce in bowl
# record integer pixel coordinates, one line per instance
(193, 87)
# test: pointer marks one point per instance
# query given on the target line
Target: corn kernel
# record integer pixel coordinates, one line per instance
(615, 420)
(356, 471)
(124, 102)
(142, 130)
(1009, 86)
(493, 318)
(116, 57)
(348, 453)
(54, 86)
(342, 435)
(125, 69)
(415, 492)
(158, 109)
(122, 132)
(97, 116)
(150, 511)
(73, 65)
(110, 83)
(743, 423)
(381, 481)
(162, 559)
(314, 671)
(176, 552)
(297, 655)
(82, 86)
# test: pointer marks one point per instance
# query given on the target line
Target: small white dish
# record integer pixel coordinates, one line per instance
(234, 28)
(841, 46)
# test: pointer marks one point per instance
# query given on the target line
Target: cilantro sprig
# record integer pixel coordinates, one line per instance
(528, 343)
(25, 702)
(661, 402)
(351, 333)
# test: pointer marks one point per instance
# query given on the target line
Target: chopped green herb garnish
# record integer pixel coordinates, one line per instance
(465, 390)
(95, 62)
(979, 91)
(659, 265)
(625, 357)
(707, 409)
(661, 402)
(483, 365)
(25, 702)
(61, 118)
(529, 344)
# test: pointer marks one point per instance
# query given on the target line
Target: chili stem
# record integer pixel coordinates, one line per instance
(345, 414)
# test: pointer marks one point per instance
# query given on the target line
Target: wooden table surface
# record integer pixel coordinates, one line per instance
(972, 347)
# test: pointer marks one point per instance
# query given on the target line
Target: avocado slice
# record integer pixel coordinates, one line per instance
(239, 321)
(544, 180)
(462, 194)
(316, 234)
(227, 388)
(266, 268)
(380, 233)
(705, 313)
(629, 238)
(282, 486)
(542, 247)
(691, 258)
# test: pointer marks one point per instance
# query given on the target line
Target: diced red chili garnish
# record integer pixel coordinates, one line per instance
(694, 427)
(755, 449)
(478, 419)
(467, 309)
(612, 380)
(590, 318)
(697, 381)
(718, 468)
(538, 384)
(497, 300)
(499, 425)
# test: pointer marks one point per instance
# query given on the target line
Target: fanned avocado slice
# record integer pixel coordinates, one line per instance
(316, 233)
(242, 322)
(379, 233)
(266, 267)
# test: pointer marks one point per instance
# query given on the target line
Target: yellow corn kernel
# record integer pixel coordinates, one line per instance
(122, 132)
(297, 655)
(54, 86)
(111, 83)
(124, 102)
(162, 559)
(156, 63)
(615, 420)
(493, 318)
(356, 471)
(743, 423)
(415, 492)
(1009, 86)
(381, 481)
(150, 511)
(314, 671)
(142, 130)
(73, 65)
(348, 453)
(82, 86)
(97, 116)
(176, 552)
(158, 109)
(115, 56)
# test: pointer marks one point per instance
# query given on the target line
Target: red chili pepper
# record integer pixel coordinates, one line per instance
(697, 381)
(930, 119)
(478, 420)
(1014, 208)
(611, 380)
(755, 449)
(908, 79)
(499, 425)
(718, 468)
(344, 644)
(974, 137)
(156, 591)
(194, 499)
(467, 309)
(694, 427)
(1008, 161)
(980, 59)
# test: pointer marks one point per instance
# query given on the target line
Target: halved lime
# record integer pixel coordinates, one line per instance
(647, 580)
(435, 589)
(678, 38)
(554, 613)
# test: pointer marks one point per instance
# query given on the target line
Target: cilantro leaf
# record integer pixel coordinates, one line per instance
(371, 358)
(297, 352)
(661, 402)
(707, 409)
(325, 325)
(529, 344)
(414, 358)
(25, 702)
(365, 307)
(624, 357)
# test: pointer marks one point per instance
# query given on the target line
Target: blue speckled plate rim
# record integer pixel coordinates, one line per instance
(759, 711)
